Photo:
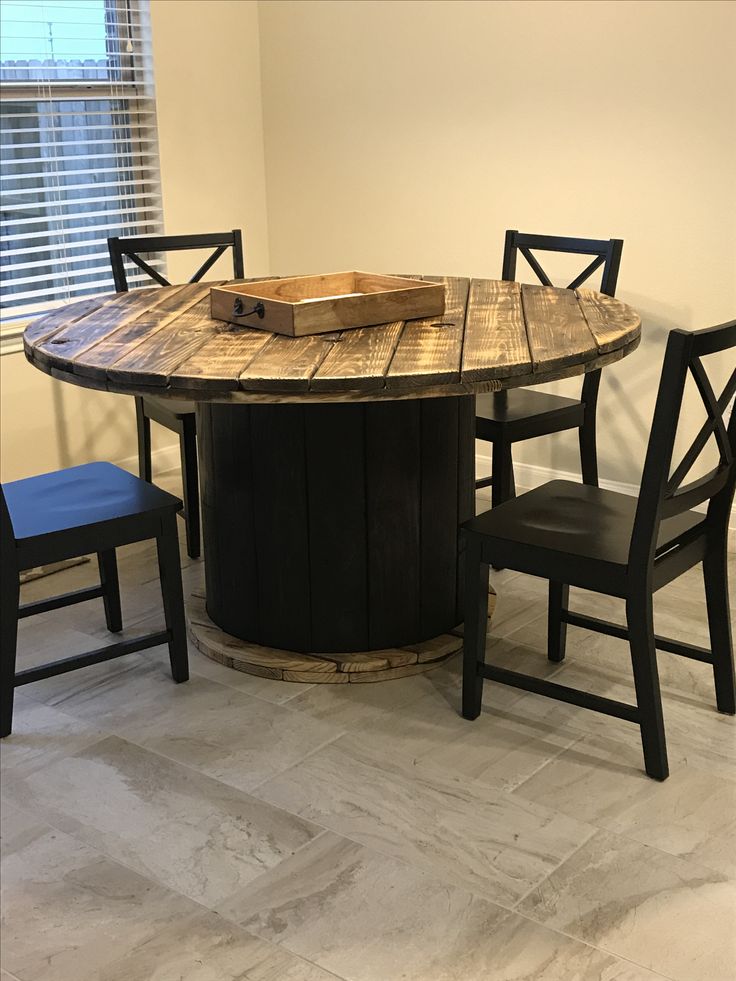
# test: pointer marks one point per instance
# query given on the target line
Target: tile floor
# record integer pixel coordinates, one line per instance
(239, 828)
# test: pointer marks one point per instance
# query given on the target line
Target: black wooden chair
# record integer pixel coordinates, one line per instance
(509, 417)
(93, 508)
(178, 416)
(573, 534)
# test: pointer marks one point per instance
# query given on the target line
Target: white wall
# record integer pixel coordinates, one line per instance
(405, 136)
(210, 128)
(207, 76)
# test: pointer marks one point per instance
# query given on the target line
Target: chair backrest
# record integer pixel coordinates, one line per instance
(121, 248)
(606, 253)
(663, 493)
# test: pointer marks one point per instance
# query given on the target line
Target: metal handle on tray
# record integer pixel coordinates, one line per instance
(238, 310)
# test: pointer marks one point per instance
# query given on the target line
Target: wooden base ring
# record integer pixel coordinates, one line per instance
(320, 669)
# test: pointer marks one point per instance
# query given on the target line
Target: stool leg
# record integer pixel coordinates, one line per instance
(169, 565)
(190, 482)
(474, 634)
(111, 596)
(143, 426)
(715, 573)
(9, 603)
(559, 594)
(640, 621)
(587, 432)
(503, 487)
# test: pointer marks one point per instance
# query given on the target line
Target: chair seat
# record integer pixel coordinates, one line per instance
(575, 520)
(525, 413)
(175, 407)
(521, 403)
(78, 497)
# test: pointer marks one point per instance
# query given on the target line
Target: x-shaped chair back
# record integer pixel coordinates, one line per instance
(606, 253)
(220, 242)
(663, 494)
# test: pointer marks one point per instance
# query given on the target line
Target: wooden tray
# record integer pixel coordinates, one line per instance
(319, 304)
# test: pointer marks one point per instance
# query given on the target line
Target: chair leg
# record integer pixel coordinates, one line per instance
(503, 487)
(111, 596)
(715, 573)
(587, 432)
(143, 425)
(190, 482)
(559, 594)
(9, 603)
(476, 623)
(640, 622)
(167, 543)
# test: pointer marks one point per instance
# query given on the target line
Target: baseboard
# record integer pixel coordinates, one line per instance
(163, 460)
(529, 476)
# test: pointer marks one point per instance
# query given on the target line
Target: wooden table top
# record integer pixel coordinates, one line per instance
(493, 335)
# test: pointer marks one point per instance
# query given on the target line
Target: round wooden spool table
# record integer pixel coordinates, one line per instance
(335, 468)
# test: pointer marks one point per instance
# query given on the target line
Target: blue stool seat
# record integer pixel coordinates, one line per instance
(96, 507)
(67, 499)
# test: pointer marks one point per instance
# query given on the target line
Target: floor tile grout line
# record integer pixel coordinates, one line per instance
(405, 863)
(577, 722)
(587, 943)
(102, 732)
(438, 875)
(187, 766)
(463, 886)
(599, 830)
(300, 762)
(296, 694)
(260, 800)
(281, 948)
(57, 706)
(593, 832)
(250, 792)
(284, 948)
(510, 910)
(121, 734)
(425, 759)
(313, 821)
(149, 877)
(629, 806)
(579, 737)
(96, 735)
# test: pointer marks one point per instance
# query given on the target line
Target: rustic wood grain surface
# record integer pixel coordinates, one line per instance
(319, 669)
(493, 335)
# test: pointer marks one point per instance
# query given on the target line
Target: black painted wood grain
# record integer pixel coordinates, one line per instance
(465, 486)
(333, 528)
(281, 518)
(438, 514)
(335, 462)
(227, 483)
(394, 559)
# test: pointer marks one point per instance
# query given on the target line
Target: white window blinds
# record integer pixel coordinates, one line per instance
(78, 150)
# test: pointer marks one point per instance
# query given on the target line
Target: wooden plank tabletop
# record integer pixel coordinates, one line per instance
(493, 335)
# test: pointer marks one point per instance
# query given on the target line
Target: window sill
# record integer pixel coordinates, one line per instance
(11, 341)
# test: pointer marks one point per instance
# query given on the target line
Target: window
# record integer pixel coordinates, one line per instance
(78, 154)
